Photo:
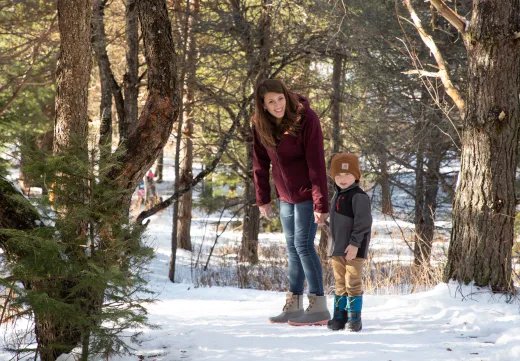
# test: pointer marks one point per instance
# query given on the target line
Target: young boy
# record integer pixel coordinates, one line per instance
(350, 228)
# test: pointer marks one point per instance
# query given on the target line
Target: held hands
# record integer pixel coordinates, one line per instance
(267, 211)
(320, 218)
(351, 252)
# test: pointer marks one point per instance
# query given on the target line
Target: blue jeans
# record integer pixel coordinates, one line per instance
(299, 230)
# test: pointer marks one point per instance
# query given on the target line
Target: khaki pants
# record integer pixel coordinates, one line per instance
(348, 275)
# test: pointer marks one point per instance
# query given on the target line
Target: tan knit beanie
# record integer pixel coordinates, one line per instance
(345, 163)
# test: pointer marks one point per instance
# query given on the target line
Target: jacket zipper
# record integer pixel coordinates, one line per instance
(283, 175)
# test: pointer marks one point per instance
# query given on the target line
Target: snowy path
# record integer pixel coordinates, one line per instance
(231, 324)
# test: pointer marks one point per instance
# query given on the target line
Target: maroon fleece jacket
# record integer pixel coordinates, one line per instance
(299, 170)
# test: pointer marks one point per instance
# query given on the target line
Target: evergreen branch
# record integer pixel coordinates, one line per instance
(6, 303)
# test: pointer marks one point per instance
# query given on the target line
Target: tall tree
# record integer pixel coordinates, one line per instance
(258, 69)
(55, 336)
(186, 157)
(335, 131)
(484, 206)
(74, 253)
(183, 20)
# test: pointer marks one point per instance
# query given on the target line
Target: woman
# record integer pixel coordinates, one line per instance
(287, 134)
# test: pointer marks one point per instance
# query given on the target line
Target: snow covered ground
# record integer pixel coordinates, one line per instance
(223, 323)
(231, 324)
(446, 323)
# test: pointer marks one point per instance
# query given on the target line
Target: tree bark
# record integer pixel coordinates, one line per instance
(259, 69)
(131, 77)
(99, 44)
(337, 74)
(419, 248)
(182, 35)
(148, 137)
(335, 140)
(484, 208)
(56, 336)
(431, 189)
(384, 179)
(427, 187)
(185, 202)
(73, 73)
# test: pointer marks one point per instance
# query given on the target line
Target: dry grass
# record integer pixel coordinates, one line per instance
(390, 277)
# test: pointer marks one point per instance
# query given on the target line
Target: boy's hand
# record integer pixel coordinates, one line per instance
(320, 218)
(351, 252)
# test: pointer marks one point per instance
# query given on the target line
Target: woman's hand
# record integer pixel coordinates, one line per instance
(320, 218)
(267, 211)
(351, 252)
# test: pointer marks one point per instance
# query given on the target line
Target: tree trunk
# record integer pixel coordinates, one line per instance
(176, 187)
(337, 74)
(182, 36)
(383, 179)
(173, 256)
(426, 206)
(143, 146)
(419, 247)
(431, 189)
(131, 77)
(70, 132)
(148, 137)
(484, 209)
(258, 70)
(251, 228)
(185, 202)
(99, 44)
(431, 149)
(335, 143)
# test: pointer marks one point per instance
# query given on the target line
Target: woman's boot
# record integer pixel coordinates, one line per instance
(293, 308)
(315, 314)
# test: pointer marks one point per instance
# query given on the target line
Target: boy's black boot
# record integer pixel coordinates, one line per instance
(339, 319)
(354, 306)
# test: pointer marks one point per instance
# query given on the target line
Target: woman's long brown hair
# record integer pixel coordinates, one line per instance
(265, 124)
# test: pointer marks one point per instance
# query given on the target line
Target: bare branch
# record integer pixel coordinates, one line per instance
(223, 145)
(422, 73)
(459, 22)
(443, 68)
